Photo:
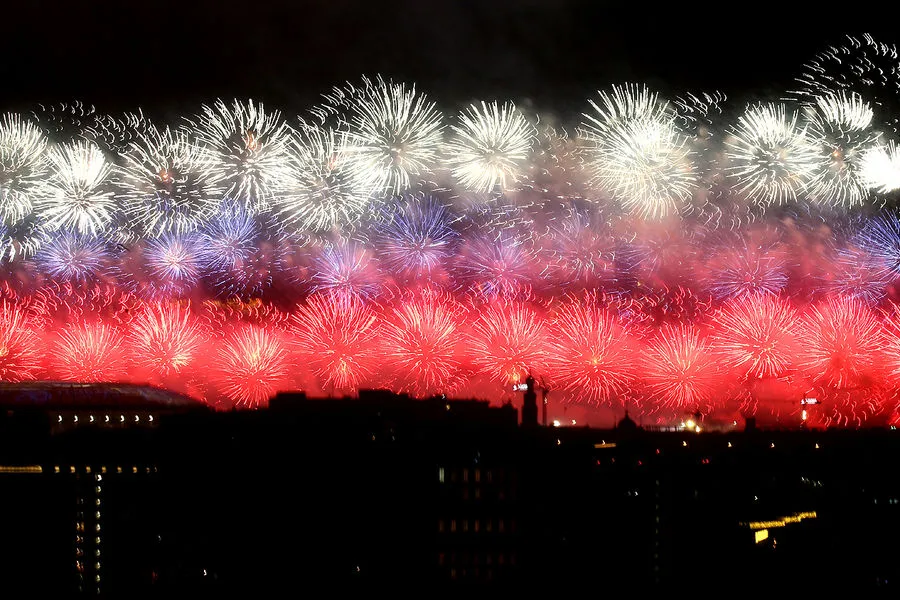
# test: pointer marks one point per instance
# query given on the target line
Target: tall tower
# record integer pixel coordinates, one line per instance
(529, 405)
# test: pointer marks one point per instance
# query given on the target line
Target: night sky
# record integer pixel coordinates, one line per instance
(169, 56)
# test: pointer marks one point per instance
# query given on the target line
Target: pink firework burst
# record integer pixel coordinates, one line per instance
(420, 340)
(679, 370)
(335, 333)
(755, 336)
(507, 340)
(592, 353)
(20, 346)
(165, 339)
(250, 366)
(89, 352)
(843, 343)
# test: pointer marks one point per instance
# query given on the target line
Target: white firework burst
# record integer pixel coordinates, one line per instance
(880, 168)
(168, 185)
(490, 146)
(394, 133)
(319, 192)
(250, 150)
(860, 65)
(840, 126)
(78, 195)
(772, 156)
(23, 167)
(637, 154)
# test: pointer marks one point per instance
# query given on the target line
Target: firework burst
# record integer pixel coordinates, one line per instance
(840, 127)
(489, 147)
(591, 353)
(335, 333)
(88, 353)
(250, 150)
(416, 239)
(880, 168)
(771, 154)
(23, 167)
(251, 364)
(842, 343)
(395, 133)
(638, 154)
(319, 193)
(754, 336)
(21, 350)
(506, 342)
(167, 183)
(165, 339)
(420, 338)
(78, 196)
(76, 258)
(679, 371)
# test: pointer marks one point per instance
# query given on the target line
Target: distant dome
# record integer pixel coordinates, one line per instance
(65, 395)
(627, 423)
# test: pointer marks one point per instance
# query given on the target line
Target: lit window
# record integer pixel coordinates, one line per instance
(150, 418)
(103, 469)
(91, 418)
(72, 469)
(76, 418)
(118, 469)
(134, 470)
(97, 490)
(56, 469)
(137, 418)
(87, 469)
(106, 418)
(441, 474)
(121, 418)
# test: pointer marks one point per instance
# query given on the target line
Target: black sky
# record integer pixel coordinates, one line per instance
(168, 56)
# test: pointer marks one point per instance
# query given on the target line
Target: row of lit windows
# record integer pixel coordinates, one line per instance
(103, 469)
(474, 525)
(467, 475)
(114, 419)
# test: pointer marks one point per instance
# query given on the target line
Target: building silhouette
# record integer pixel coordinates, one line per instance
(388, 493)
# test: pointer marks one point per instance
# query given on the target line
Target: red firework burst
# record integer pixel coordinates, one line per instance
(843, 344)
(20, 346)
(250, 366)
(679, 370)
(420, 339)
(755, 336)
(506, 342)
(592, 352)
(165, 339)
(90, 352)
(335, 332)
